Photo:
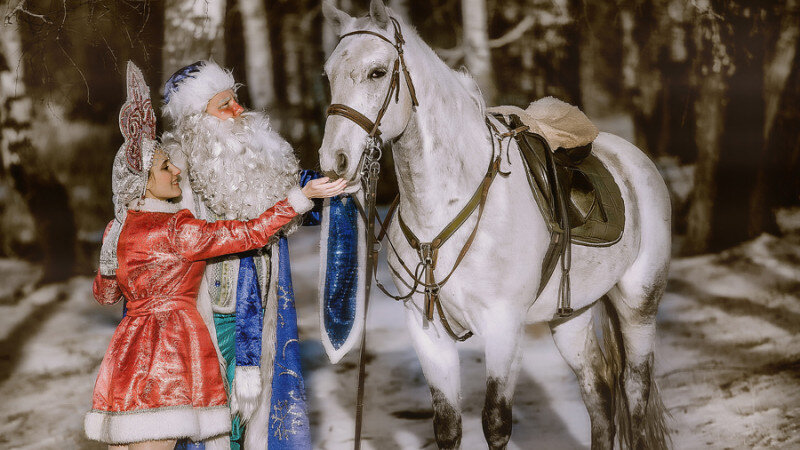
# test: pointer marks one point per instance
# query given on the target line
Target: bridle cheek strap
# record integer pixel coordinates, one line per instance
(394, 86)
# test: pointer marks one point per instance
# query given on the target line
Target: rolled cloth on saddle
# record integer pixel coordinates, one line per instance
(561, 124)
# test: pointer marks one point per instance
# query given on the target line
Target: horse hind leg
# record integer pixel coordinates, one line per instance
(503, 357)
(629, 332)
(438, 357)
(576, 340)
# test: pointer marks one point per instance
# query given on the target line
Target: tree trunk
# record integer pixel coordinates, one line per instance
(329, 38)
(477, 55)
(45, 198)
(258, 53)
(710, 78)
(655, 68)
(777, 182)
(193, 30)
(743, 140)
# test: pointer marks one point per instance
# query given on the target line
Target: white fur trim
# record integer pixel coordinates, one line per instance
(256, 435)
(194, 92)
(245, 391)
(155, 205)
(156, 424)
(299, 201)
(218, 443)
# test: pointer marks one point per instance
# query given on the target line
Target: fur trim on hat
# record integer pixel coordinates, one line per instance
(191, 94)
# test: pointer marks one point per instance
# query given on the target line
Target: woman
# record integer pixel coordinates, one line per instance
(160, 379)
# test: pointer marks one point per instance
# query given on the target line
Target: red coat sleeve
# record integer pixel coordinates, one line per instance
(106, 289)
(197, 239)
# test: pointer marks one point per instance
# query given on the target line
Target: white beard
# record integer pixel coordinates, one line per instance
(239, 167)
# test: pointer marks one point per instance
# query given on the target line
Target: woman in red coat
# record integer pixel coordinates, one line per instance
(160, 379)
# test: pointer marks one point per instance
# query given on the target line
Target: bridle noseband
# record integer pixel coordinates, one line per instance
(372, 128)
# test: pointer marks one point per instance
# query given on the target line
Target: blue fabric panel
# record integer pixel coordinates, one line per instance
(288, 417)
(312, 217)
(249, 315)
(341, 275)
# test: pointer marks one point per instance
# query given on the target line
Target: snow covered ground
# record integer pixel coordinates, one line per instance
(728, 362)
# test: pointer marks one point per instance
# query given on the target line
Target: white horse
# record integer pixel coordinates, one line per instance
(441, 150)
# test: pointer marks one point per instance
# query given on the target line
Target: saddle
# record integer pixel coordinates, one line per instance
(595, 210)
(579, 199)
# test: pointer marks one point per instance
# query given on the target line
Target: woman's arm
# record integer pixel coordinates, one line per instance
(197, 239)
(106, 289)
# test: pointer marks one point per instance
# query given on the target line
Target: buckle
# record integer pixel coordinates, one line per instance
(426, 254)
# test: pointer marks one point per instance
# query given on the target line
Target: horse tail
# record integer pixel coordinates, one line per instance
(653, 430)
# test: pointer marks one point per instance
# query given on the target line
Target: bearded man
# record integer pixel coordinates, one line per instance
(237, 167)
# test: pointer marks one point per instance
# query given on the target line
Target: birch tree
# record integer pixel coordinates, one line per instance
(258, 53)
(477, 55)
(193, 30)
(329, 37)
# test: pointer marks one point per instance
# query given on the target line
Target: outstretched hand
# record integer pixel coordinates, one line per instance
(323, 187)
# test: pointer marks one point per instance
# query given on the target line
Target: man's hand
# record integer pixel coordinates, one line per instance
(323, 187)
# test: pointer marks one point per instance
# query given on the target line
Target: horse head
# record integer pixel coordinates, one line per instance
(371, 92)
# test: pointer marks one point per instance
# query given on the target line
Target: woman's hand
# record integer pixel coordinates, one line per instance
(323, 187)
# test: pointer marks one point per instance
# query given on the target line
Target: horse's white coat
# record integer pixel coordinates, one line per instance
(441, 151)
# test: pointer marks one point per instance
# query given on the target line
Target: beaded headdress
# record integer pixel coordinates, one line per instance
(137, 122)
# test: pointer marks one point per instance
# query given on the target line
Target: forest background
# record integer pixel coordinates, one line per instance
(709, 89)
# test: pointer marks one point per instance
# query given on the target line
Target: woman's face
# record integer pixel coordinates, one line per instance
(162, 184)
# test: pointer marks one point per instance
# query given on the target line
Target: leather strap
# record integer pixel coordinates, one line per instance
(350, 113)
(394, 85)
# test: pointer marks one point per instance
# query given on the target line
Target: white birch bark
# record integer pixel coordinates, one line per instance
(400, 8)
(258, 53)
(477, 55)
(193, 30)
(329, 36)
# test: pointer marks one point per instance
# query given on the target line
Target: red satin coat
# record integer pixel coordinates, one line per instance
(161, 354)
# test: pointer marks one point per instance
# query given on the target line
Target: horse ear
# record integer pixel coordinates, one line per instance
(336, 17)
(379, 13)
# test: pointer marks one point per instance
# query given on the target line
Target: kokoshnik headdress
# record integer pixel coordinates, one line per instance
(190, 88)
(137, 122)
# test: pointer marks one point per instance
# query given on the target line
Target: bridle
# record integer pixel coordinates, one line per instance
(372, 128)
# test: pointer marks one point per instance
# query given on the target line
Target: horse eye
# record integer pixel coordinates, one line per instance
(377, 73)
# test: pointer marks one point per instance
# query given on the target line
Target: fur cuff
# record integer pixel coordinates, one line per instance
(299, 201)
(245, 391)
(176, 422)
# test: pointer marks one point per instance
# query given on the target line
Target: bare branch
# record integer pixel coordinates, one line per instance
(453, 55)
(20, 8)
(514, 34)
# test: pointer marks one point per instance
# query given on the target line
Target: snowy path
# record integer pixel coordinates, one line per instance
(728, 362)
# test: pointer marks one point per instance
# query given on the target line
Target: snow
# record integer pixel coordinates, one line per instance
(727, 361)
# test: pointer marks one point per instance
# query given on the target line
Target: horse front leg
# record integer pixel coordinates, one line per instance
(502, 336)
(438, 357)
